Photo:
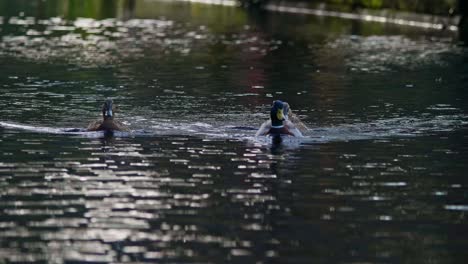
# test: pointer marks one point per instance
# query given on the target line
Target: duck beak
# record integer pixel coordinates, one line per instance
(108, 113)
(279, 114)
(107, 109)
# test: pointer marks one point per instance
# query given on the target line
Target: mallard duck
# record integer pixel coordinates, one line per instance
(278, 123)
(108, 123)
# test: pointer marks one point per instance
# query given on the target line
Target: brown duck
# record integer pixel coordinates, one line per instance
(108, 123)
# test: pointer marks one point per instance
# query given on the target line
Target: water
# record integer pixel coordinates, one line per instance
(379, 178)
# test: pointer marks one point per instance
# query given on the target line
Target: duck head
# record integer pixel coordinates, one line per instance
(107, 113)
(277, 114)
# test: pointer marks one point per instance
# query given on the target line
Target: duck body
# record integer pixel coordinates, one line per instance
(108, 123)
(278, 125)
(288, 129)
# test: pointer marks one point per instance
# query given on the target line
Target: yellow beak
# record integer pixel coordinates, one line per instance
(279, 114)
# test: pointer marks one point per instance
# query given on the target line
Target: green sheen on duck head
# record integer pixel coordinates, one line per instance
(276, 113)
(107, 113)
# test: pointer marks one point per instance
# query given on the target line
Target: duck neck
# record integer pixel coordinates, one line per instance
(276, 123)
(107, 118)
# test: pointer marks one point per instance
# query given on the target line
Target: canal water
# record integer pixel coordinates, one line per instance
(380, 177)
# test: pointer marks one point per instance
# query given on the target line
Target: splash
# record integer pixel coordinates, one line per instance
(388, 128)
(53, 130)
(379, 129)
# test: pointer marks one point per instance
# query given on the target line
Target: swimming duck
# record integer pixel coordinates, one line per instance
(279, 123)
(107, 123)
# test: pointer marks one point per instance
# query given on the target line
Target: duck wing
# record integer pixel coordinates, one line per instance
(264, 128)
(293, 129)
(298, 123)
(121, 126)
(94, 126)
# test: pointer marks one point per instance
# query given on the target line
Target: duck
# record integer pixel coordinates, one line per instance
(108, 123)
(279, 124)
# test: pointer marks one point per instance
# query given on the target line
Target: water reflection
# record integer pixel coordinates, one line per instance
(117, 199)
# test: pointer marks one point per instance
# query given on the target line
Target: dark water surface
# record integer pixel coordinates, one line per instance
(379, 178)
